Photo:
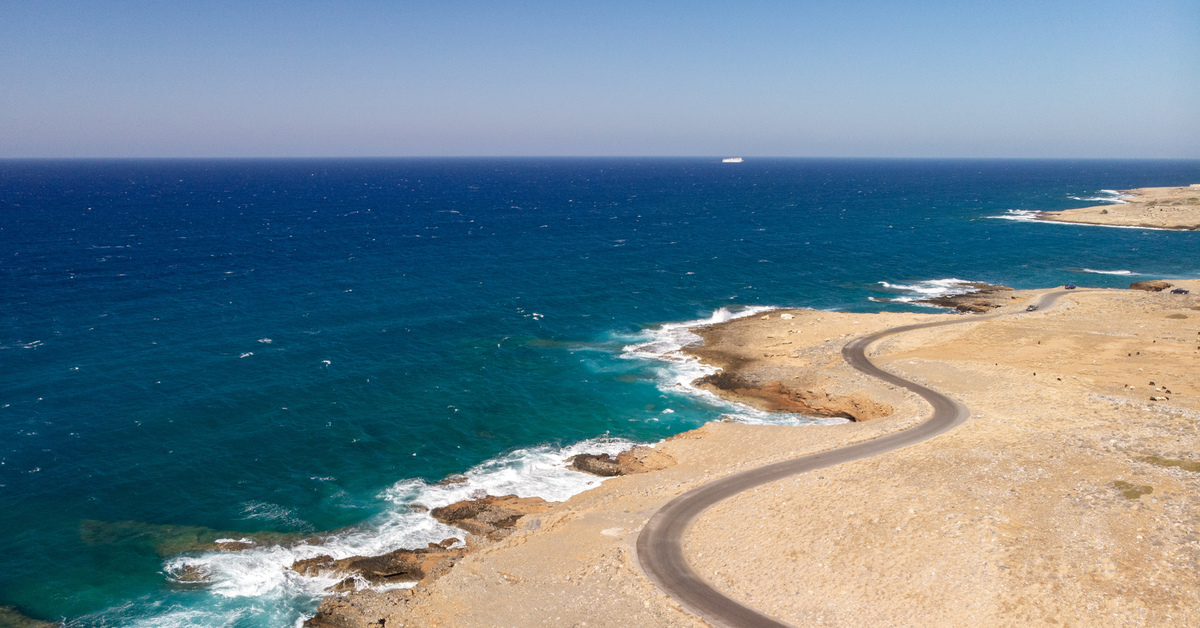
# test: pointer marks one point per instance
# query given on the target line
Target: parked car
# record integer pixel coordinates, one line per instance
(1179, 291)
(1070, 286)
(1031, 308)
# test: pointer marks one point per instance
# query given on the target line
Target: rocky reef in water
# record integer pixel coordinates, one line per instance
(12, 617)
(170, 540)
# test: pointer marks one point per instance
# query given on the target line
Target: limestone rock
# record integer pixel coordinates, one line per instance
(490, 516)
(597, 464)
(775, 397)
(403, 565)
(637, 460)
(1150, 285)
(360, 609)
(985, 296)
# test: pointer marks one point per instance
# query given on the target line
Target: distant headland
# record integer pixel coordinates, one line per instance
(1176, 208)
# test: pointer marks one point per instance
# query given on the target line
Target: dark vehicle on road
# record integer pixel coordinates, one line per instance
(1031, 308)
(1070, 286)
(1179, 291)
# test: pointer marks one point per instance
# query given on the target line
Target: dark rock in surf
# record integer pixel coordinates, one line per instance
(983, 297)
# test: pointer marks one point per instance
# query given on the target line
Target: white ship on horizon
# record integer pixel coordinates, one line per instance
(732, 160)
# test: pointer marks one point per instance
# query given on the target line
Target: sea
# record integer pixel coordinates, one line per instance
(292, 353)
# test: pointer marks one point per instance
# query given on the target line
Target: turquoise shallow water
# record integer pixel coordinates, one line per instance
(301, 346)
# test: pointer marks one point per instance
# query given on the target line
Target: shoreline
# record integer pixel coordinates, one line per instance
(1168, 208)
(1044, 440)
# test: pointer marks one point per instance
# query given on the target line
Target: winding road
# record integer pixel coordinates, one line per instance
(660, 544)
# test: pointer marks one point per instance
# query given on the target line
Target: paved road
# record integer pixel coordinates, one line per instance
(660, 545)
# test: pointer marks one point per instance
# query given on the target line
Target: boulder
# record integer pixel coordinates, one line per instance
(597, 464)
(637, 460)
(1152, 285)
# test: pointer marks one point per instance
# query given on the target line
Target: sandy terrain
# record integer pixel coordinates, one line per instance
(1033, 512)
(1159, 208)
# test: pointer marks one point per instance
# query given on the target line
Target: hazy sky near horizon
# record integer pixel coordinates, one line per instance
(875, 79)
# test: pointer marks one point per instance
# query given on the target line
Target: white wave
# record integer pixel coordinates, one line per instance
(665, 345)
(1107, 196)
(929, 289)
(1109, 272)
(1029, 215)
(1019, 215)
(263, 572)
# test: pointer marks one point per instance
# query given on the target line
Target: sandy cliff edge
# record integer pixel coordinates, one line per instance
(1058, 503)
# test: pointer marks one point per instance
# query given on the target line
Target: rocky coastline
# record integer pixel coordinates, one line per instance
(486, 520)
(1050, 433)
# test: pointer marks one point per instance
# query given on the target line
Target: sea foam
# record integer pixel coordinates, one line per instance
(928, 289)
(263, 572)
(1019, 215)
(1108, 272)
(1105, 196)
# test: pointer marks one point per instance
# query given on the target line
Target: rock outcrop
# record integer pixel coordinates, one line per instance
(775, 397)
(1152, 285)
(403, 565)
(492, 517)
(489, 517)
(984, 297)
(637, 460)
(364, 609)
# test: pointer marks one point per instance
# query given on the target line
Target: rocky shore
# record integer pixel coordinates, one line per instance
(983, 297)
(1176, 208)
(1068, 498)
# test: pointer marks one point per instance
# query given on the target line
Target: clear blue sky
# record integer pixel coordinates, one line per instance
(847, 78)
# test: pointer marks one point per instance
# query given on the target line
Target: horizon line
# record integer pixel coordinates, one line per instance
(581, 157)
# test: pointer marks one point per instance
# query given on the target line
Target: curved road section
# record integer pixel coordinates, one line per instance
(660, 545)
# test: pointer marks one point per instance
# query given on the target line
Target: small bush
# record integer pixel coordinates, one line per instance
(1132, 491)
(1186, 465)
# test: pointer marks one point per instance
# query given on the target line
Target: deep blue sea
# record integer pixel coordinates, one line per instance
(307, 345)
